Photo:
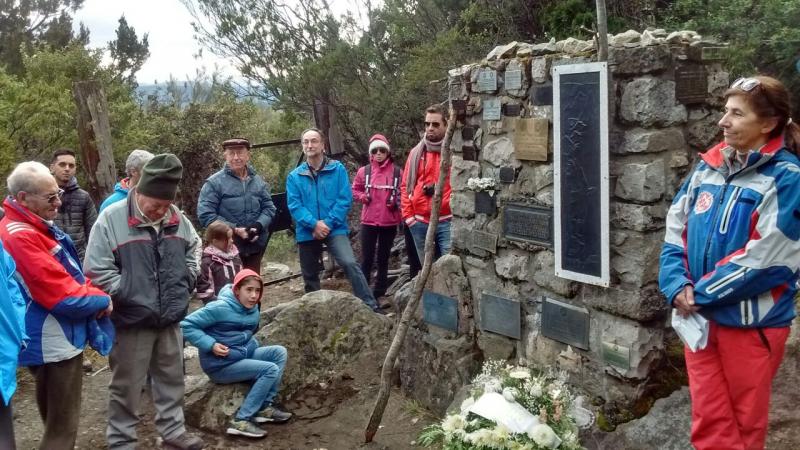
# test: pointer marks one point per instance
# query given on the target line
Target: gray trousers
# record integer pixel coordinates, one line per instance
(58, 396)
(137, 351)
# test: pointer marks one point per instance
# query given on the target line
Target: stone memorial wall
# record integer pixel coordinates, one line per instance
(664, 99)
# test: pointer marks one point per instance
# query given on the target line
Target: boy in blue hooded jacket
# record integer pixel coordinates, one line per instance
(223, 332)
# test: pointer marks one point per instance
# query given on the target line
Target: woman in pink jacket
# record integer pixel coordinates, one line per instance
(377, 187)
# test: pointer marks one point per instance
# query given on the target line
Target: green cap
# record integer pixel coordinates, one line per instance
(160, 177)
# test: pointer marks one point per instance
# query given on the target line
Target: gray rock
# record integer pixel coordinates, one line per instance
(513, 265)
(639, 60)
(448, 279)
(462, 204)
(642, 182)
(640, 304)
(665, 427)
(546, 48)
(540, 69)
(651, 101)
(703, 129)
(502, 51)
(628, 37)
(635, 260)
(645, 344)
(639, 140)
(272, 271)
(499, 153)
(495, 346)
(544, 275)
(461, 171)
(638, 217)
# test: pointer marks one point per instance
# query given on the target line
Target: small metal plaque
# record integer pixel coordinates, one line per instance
(691, 84)
(468, 133)
(511, 109)
(484, 241)
(542, 95)
(617, 355)
(455, 90)
(469, 153)
(491, 109)
(485, 203)
(507, 174)
(529, 224)
(487, 80)
(565, 323)
(440, 311)
(531, 136)
(513, 80)
(500, 315)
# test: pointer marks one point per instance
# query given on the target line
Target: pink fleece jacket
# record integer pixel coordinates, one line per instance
(375, 211)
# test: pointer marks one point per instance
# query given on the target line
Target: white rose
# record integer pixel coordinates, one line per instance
(492, 386)
(544, 436)
(510, 394)
(453, 423)
(520, 373)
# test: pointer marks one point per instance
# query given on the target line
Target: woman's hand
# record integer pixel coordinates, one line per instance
(241, 232)
(220, 350)
(684, 301)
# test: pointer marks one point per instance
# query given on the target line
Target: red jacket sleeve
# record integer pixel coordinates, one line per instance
(406, 206)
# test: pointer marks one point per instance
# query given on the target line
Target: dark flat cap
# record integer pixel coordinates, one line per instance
(236, 142)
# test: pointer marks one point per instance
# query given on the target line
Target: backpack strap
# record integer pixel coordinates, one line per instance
(367, 176)
(395, 195)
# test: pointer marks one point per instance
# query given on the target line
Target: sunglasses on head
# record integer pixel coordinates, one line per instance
(745, 84)
(379, 149)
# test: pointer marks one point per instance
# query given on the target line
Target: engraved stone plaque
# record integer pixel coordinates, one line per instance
(487, 80)
(513, 80)
(468, 133)
(507, 174)
(542, 95)
(491, 109)
(455, 90)
(531, 139)
(485, 203)
(691, 84)
(565, 323)
(617, 355)
(440, 311)
(484, 241)
(500, 315)
(511, 109)
(529, 224)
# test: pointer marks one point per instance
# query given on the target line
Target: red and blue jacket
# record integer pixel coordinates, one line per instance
(736, 238)
(61, 303)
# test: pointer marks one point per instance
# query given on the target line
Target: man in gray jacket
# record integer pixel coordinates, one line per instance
(77, 213)
(141, 252)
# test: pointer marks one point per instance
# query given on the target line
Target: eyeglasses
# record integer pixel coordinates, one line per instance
(745, 84)
(51, 198)
(379, 149)
(432, 124)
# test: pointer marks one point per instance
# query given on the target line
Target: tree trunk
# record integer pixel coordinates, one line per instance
(408, 313)
(94, 134)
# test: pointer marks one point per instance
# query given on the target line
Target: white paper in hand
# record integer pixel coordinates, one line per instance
(512, 415)
(693, 330)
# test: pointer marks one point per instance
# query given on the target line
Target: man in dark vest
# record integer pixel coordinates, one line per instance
(77, 213)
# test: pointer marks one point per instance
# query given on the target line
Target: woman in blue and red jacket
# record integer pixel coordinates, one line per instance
(732, 254)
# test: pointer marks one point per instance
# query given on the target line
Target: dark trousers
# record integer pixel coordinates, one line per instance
(414, 263)
(253, 261)
(58, 395)
(383, 237)
(6, 427)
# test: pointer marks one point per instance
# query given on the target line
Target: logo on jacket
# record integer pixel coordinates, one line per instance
(703, 203)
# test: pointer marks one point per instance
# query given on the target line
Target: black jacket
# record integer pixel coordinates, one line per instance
(77, 215)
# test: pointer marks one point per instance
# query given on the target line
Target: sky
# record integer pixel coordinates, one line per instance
(168, 24)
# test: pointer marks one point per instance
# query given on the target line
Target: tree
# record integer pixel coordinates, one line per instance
(128, 52)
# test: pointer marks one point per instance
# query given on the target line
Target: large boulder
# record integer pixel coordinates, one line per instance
(328, 335)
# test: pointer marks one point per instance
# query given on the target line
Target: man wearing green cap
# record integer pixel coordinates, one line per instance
(142, 252)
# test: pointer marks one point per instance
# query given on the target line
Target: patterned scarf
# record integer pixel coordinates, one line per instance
(415, 155)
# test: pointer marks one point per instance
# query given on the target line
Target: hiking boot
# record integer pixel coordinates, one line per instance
(245, 428)
(272, 414)
(185, 441)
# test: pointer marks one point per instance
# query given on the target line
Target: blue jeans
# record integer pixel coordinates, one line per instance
(265, 369)
(339, 246)
(442, 237)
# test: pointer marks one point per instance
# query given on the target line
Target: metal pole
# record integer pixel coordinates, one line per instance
(602, 31)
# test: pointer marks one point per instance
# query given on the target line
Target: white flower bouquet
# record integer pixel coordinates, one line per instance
(511, 408)
(482, 184)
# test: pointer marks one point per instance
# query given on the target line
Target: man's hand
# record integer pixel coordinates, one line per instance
(241, 232)
(321, 230)
(220, 350)
(106, 312)
(684, 301)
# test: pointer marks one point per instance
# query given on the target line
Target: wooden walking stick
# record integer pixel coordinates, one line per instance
(430, 246)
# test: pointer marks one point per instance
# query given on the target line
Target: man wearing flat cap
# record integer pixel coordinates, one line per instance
(142, 253)
(238, 196)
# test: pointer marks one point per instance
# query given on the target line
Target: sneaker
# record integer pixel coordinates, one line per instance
(272, 414)
(245, 428)
(185, 441)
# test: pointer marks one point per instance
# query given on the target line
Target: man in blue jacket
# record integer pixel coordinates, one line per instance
(12, 339)
(319, 197)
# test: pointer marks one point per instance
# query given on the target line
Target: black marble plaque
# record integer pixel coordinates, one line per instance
(529, 224)
(485, 203)
(507, 174)
(468, 133)
(469, 153)
(440, 310)
(565, 323)
(542, 95)
(484, 241)
(500, 315)
(691, 84)
(511, 109)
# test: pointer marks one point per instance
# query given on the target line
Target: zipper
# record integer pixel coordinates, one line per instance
(726, 216)
(714, 221)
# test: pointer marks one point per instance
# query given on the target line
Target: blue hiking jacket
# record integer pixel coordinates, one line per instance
(736, 238)
(120, 193)
(12, 326)
(326, 196)
(226, 321)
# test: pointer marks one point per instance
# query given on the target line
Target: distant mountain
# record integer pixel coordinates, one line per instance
(144, 91)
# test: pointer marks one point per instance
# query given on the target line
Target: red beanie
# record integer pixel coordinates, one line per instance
(244, 273)
(379, 141)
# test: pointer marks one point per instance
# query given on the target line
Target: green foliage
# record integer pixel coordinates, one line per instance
(128, 53)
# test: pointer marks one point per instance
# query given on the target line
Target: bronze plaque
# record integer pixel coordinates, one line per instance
(565, 323)
(531, 139)
(691, 84)
(528, 223)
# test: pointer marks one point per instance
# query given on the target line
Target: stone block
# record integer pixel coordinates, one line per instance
(646, 344)
(545, 48)
(540, 351)
(638, 217)
(461, 171)
(634, 257)
(513, 264)
(462, 204)
(460, 232)
(503, 51)
(703, 130)
(628, 37)
(495, 346)
(640, 304)
(639, 60)
(651, 101)
(544, 275)
(500, 152)
(639, 140)
(642, 182)
(540, 69)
